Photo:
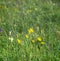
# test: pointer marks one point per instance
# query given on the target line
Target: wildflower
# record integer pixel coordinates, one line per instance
(42, 42)
(27, 36)
(39, 39)
(33, 41)
(10, 32)
(11, 38)
(19, 41)
(30, 11)
(30, 30)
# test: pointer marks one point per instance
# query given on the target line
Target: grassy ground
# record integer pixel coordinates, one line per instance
(29, 30)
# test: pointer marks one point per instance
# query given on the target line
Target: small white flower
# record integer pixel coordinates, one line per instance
(11, 39)
(9, 32)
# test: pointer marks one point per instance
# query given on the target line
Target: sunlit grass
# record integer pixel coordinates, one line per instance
(29, 30)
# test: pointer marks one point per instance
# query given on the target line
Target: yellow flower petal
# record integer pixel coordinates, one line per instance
(33, 41)
(27, 36)
(42, 42)
(19, 41)
(39, 39)
(30, 30)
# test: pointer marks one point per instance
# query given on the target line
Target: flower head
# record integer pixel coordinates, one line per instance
(33, 41)
(19, 41)
(39, 39)
(11, 39)
(30, 30)
(42, 42)
(10, 32)
(27, 36)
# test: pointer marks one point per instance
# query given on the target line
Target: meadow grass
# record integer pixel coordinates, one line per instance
(29, 30)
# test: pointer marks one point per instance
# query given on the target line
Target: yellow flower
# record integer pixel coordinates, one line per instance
(27, 36)
(42, 42)
(30, 30)
(39, 39)
(33, 41)
(19, 41)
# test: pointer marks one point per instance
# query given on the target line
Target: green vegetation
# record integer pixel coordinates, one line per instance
(29, 30)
